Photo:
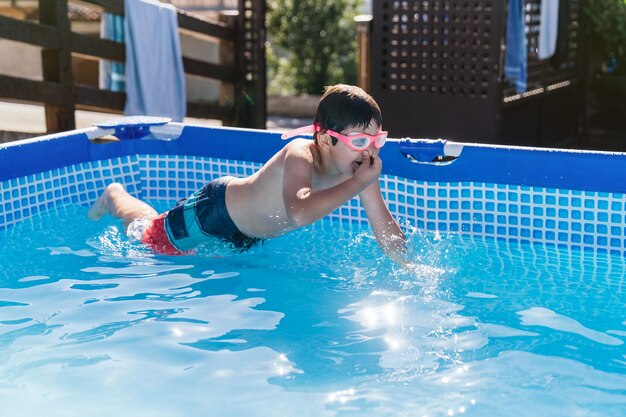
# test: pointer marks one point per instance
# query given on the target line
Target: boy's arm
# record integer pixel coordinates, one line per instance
(388, 234)
(305, 205)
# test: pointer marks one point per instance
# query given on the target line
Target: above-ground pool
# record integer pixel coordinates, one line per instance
(512, 305)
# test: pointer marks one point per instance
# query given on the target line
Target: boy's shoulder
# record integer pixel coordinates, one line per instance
(300, 148)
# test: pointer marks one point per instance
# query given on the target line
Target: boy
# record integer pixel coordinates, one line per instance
(303, 182)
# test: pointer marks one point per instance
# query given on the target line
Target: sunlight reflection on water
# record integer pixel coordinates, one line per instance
(315, 323)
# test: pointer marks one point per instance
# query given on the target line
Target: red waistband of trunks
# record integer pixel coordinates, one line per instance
(155, 236)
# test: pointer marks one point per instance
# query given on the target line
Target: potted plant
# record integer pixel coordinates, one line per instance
(607, 30)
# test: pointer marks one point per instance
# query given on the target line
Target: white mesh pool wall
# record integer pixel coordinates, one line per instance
(80, 184)
(576, 219)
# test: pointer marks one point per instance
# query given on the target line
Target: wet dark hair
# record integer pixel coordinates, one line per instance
(344, 106)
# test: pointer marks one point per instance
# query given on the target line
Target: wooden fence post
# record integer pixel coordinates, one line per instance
(251, 84)
(227, 54)
(259, 68)
(364, 29)
(57, 65)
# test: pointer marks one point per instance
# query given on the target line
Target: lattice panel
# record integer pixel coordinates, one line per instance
(438, 47)
(252, 43)
(448, 47)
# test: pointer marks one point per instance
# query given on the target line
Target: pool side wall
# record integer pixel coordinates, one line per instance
(571, 199)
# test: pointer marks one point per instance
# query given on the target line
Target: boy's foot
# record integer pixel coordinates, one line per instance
(101, 206)
(98, 209)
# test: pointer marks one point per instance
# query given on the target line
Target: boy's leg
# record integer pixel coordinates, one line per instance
(119, 204)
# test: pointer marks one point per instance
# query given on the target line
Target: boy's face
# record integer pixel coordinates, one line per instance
(347, 159)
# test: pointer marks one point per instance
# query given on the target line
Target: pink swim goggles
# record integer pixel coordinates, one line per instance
(357, 141)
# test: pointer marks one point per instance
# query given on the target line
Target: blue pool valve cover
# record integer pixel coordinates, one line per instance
(423, 150)
(133, 127)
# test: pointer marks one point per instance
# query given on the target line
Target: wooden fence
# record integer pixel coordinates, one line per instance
(241, 70)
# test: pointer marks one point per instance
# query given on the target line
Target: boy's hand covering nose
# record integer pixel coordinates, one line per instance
(368, 173)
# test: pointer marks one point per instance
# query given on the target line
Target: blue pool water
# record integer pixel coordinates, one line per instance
(315, 323)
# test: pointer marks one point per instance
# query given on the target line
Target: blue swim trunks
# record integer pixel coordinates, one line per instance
(204, 214)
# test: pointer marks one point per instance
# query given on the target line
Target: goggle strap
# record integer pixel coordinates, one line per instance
(301, 131)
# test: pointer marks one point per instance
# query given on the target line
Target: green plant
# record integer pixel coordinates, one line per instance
(607, 25)
(312, 43)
